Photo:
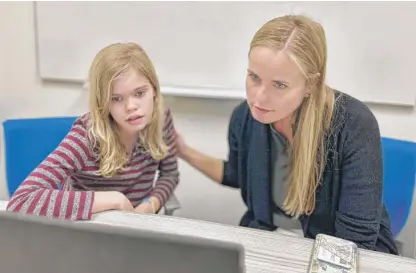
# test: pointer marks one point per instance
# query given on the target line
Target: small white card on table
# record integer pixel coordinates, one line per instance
(333, 255)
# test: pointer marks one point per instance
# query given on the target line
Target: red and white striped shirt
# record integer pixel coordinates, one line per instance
(63, 185)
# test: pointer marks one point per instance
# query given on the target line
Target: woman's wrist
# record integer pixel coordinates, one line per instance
(186, 153)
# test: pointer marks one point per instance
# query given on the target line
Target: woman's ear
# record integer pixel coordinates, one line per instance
(308, 90)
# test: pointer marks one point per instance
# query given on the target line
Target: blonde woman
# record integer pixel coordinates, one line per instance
(305, 157)
(109, 159)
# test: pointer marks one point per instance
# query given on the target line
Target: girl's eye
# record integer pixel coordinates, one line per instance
(140, 93)
(116, 99)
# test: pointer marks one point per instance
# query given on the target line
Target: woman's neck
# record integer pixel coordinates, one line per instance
(284, 126)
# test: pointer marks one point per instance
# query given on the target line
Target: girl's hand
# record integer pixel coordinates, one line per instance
(144, 208)
(148, 206)
(111, 200)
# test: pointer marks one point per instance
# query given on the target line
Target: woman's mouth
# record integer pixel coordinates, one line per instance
(261, 110)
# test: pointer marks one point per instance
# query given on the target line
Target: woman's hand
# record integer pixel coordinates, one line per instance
(181, 145)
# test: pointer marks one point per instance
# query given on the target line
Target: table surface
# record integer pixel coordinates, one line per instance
(264, 251)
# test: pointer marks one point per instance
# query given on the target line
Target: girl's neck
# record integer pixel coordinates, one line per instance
(129, 141)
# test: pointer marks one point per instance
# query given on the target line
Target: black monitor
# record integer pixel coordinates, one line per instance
(33, 244)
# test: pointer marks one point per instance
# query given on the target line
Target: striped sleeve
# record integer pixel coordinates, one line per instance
(41, 193)
(168, 168)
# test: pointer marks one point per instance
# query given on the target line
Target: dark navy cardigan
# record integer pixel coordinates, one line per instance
(349, 198)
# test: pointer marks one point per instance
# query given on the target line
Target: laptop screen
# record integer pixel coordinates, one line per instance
(31, 244)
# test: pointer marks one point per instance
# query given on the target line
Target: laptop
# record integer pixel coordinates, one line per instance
(33, 244)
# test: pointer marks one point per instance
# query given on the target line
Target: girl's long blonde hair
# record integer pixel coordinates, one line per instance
(305, 43)
(108, 65)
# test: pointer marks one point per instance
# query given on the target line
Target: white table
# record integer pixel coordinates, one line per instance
(265, 251)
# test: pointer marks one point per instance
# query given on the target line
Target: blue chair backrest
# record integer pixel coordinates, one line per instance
(28, 142)
(399, 159)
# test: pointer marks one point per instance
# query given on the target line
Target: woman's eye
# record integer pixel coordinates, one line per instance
(280, 85)
(254, 77)
(116, 99)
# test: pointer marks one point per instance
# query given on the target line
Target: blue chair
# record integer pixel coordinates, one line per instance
(28, 142)
(399, 159)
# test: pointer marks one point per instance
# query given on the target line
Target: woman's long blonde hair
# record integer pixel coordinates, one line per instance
(305, 43)
(108, 65)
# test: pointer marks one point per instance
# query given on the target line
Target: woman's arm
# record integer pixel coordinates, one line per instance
(219, 170)
(40, 193)
(360, 205)
(210, 166)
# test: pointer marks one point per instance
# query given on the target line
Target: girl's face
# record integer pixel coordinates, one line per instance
(132, 102)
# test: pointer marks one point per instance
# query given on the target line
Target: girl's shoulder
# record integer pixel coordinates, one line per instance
(79, 130)
(81, 124)
(167, 121)
(84, 120)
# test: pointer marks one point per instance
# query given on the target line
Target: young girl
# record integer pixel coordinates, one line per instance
(110, 157)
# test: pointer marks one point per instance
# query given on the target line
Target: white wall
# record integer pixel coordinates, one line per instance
(21, 95)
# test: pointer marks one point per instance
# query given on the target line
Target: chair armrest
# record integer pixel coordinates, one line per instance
(171, 205)
(3, 205)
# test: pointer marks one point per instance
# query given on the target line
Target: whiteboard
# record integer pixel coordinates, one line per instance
(200, 48)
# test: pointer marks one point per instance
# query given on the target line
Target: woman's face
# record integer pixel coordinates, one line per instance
(275, 85)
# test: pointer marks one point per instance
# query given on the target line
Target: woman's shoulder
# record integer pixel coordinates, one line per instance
(351, 114)
(240, 113)
(241, 120)
(348, 109)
